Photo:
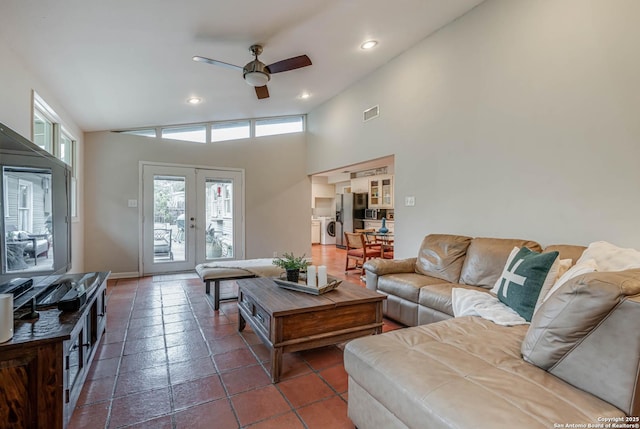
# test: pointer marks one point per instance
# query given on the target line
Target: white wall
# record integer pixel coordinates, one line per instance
(277, 192)
(18, 84)
(519, 119)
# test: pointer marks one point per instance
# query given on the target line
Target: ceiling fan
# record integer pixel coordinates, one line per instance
(256, 73)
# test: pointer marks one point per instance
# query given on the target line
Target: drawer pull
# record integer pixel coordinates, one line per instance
(259, 317)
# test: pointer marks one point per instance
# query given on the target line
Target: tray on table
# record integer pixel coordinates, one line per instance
(301, 286)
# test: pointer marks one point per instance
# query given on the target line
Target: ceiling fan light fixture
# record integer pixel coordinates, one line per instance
(256, 73)
(256, 78)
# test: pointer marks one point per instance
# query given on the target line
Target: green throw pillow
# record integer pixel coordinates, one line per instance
(522, 279)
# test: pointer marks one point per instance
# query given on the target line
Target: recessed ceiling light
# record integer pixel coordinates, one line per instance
(369, 44)
(194, 100)
(304, 95)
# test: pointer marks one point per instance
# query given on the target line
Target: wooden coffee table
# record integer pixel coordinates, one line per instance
(290, 321)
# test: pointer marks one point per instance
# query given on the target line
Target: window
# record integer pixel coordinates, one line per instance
(227, 200)
(66, 148)
(224, 131)
(42, 130)
(67, 153)
(193, 133)
(149, 132)
(230, 131)
(51, 135)
(25, 204)
(270, 127)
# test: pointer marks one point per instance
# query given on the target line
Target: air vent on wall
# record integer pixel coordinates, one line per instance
(370, 113)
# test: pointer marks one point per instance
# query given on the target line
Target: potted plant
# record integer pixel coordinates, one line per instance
(291, 264)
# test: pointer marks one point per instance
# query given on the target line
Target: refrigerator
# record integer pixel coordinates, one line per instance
(349, 215)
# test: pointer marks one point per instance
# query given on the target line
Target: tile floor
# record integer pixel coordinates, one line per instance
(168, 360)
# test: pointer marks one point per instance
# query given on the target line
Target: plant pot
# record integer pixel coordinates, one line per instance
(293, 275)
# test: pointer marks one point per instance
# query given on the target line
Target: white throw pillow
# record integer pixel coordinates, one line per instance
(475, 303)
(609, 257)
(564, 266)
(578, 269)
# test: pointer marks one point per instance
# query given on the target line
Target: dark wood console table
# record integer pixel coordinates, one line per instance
(45, 364)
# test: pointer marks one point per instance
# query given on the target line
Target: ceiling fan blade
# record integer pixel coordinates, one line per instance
(216, 62)
(289, 64)
(262, 92)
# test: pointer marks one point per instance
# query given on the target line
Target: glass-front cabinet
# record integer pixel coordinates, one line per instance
(381, 192)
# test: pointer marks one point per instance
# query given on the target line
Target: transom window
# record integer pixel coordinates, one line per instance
(196, 134)
(224, 131)
(274, 126)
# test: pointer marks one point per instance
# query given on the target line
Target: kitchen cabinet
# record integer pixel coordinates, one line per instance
(360, 185)
(45, 364)
(321, 190)
(381, 192)
(315, 232)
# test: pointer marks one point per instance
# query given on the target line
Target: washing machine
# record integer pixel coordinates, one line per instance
(327, 230)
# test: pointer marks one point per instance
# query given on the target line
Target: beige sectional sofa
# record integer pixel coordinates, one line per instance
(419, 289)
(578, 363)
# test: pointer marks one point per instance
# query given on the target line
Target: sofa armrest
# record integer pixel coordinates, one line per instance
(586, 334)
(381, 266)
(374, 268)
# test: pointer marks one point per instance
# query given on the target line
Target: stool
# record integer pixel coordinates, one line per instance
(234, 270)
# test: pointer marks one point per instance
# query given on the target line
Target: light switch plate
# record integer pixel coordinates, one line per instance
(132, 203)
(410, 201)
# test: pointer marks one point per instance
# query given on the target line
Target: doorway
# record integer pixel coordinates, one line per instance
(190, 215)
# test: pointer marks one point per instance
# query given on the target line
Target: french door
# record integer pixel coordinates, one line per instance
(189, 216)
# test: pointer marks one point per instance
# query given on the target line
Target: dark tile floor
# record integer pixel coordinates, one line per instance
(168, 360)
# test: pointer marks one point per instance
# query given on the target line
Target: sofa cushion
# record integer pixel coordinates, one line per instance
(523, 277)
(18, 235)
(405, 285)
(465, 373)
(442, 256)
(566, 251)
(438, 296)
(486, 258)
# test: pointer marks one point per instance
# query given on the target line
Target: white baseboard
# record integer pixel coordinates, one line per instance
(125, 275)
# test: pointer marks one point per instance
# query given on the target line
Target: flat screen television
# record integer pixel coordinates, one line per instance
(35, 210)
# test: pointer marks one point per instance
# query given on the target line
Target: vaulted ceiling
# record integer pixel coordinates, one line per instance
(126, 64)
